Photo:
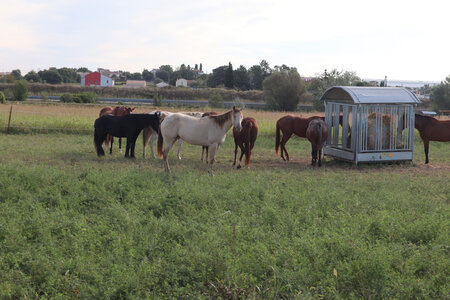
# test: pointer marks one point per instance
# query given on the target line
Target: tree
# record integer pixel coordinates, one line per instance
(83, 70)
(440, 95)
(163, 75)
(217, 77)
(282, 90)
(17, 74)
(50, 76)
(229, 80)
(147, 75)
(258, 73)
(135, 76)
(68, 75)
(329, 79)
(241, 78)
(21, 90)
(32, 76)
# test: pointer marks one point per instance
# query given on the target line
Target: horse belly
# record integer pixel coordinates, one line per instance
(194, 135)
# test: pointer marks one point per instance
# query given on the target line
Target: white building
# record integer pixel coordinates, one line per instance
(181, 82)
(162, 84)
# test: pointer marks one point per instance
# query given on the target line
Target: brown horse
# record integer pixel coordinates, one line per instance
(116, 111)
(245, 139)
(289, 125)
(431, 129)
(317, 133)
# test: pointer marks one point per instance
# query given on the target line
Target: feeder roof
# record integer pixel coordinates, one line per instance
(369, 95)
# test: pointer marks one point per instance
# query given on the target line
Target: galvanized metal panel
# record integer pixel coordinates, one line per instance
(369, 95)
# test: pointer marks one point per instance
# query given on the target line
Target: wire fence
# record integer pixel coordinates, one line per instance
(23, 119)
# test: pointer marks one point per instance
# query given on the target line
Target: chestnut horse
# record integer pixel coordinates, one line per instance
(431, 129)
(116, 111)
(289, 125)
(245, 139)
(317, 133)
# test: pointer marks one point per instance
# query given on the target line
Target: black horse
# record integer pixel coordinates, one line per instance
(128, 126)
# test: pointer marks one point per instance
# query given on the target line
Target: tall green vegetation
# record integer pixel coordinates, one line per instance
(216, 101)
(229, 80)
(2, 97)
(329, 79)
(440, 95)
(21, 90)
(283, 90)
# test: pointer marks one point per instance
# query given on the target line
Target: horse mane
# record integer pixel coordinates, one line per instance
(221, 119)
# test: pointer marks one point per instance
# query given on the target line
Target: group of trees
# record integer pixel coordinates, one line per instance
(52, 75)
(283, 87)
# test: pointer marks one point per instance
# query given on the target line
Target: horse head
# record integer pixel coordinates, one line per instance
(237, 118)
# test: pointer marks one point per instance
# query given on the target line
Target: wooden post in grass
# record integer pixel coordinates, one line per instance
(9, 120)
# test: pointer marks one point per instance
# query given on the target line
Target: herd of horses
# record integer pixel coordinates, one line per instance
(209, 130)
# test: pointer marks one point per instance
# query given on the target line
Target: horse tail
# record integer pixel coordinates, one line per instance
(277, 138)
(319, 133)
(248, 140)
(160, 143)
(98, 139)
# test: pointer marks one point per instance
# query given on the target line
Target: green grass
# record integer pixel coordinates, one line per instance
(74, 225)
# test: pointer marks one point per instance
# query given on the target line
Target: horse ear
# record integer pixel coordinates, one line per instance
(133, 108)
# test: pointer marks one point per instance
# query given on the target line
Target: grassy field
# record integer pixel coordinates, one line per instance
(74, 225)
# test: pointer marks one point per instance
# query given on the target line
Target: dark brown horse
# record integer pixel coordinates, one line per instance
(317, 133)
(431, 129)
(245, 139)
(116, 111)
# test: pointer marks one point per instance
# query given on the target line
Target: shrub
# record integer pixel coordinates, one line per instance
(21, 90)
(87, 97)
(216, 101)
(157, 100)
(2, 98)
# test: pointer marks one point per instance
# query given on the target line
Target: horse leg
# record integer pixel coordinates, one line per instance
(313, 163)
(168, 145)
(206, 156)
(120, 145)
(212, 158)
(132, 146)
(426, 144)
(180, 142)
(153, 138)
(145, 137)
(235, 153)
(320, 157)
(127, 151)
(283, 142)
(242, 154)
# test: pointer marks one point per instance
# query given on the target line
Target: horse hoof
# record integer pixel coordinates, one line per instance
(238, 167)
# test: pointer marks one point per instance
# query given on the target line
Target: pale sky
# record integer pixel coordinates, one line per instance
(408, 40)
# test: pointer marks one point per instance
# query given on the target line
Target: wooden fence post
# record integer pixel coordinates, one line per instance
(9, 120)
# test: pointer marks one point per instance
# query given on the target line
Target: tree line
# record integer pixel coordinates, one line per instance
(283, 87)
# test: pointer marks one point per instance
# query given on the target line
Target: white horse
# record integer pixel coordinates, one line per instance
(150, 134)
(207, 131)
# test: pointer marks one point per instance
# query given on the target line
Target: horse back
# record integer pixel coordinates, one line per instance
(436, 130)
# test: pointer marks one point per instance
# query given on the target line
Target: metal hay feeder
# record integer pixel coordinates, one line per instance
(377, 123)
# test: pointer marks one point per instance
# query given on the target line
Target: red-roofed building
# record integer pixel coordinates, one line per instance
(96, 79)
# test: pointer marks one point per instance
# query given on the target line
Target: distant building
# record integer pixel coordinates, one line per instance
(136, 83)
(181, 82)
(96, 79)
(109, 73)
(4, 74)
(162, 84)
